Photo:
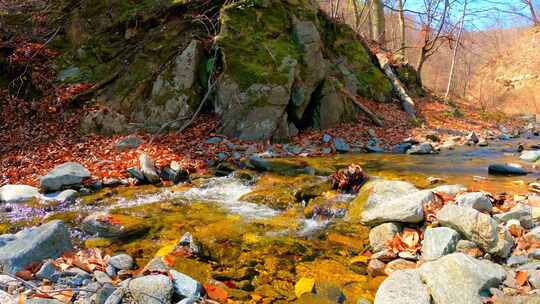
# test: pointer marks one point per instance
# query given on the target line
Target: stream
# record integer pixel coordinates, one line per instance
(260, 232)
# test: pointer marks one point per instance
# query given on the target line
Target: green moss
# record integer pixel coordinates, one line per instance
(255, 40)
(342, 41)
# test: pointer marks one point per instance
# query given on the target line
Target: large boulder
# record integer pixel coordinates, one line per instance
(377, 191)
(276, 76)
(475, 200)
(17, 193)
(460, 279)
(477, 227)
(64, 176)
(403, 287)
(35, 244)
(404, 209)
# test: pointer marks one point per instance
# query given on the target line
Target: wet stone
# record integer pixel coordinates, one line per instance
(104, 293)
(121, 261)
(381, 234)
(403, 287)
(151, 289)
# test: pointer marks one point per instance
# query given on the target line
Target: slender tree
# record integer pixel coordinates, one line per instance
(378, 21)
(402, 38)
(456, 47)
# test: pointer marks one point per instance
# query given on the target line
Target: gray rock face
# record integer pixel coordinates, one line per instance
(49, 240)
(473, 225)
(174, 92)
(403, 287)
(63, 176)
(404, 209)
(523, 214)
(186, 286)
(381, 234)
(475, 200)
(151, 289)
(121, 261)
(341, 146)
(450, 189)
(423, 148)
(438, 242)
(17, 193)
(458, 278)
(148, 169)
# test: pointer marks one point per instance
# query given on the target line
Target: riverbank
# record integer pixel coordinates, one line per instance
(32, 148)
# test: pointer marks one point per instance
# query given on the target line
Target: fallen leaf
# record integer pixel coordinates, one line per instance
(216, 293)
(522, 278)
(304, 285)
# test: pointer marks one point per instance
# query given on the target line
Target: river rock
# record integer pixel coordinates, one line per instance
(438, 242)
(475, 200)
(68, 195)
(102, 224)
(128, 143)
(468, 247)
(423, 148)
(399, 264)
(472, 138)
(41, 301)
(186, 286)
(116, 297)
(534, 278)
(341, 146)
(459, 279)
(121, 261)
(533, 235)
(473, 225)
(101, 277)
(450, 189)
(530, 155)
(17, 193)
(151, 289)
(49, 240)
(148, 169)
(376, 267)
(64, 176)
(521, 213)
(506, 169)
(403, 287)
(104, 293)
(381, 234)
(405, 209)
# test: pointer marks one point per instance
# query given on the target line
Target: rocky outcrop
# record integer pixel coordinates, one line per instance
(276, 76)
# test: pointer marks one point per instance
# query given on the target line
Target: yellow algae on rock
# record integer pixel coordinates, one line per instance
(304, 285)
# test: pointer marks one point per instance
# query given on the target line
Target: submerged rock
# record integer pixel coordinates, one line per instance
(506, 169)
(423, 148)
(460, 279)
(105, 225)
(404, 209)
(17, 193)
(121, 261)
(403, 287)
(530, 155)
(34, 244)
(186, 286)
(64, 176)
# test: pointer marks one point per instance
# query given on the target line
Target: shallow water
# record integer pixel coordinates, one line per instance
(260, 249)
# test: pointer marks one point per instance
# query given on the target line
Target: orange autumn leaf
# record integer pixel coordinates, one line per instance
(216, 293)
(522, 278)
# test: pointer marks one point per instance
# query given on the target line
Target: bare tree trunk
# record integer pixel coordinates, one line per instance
(378, 21)
(369, 4)
(402, 41)
(406, 101)
(454, 56)
(534, 17)
(420, 65)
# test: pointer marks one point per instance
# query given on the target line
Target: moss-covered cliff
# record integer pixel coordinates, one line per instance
(282, 64)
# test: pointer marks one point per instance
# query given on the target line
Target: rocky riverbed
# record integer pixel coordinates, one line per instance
(458, 224)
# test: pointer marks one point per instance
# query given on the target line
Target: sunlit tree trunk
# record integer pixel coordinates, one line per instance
(534, 17)
(378, 21)
(402, 41)
(454, 56)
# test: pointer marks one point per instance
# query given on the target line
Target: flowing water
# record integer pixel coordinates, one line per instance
(262, 235)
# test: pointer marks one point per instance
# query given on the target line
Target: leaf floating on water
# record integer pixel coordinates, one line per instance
(216, 293)
(359, 259)
(167, 249)
(304, 285)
